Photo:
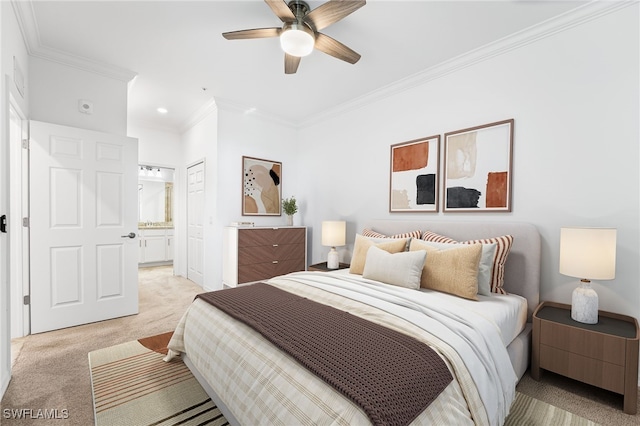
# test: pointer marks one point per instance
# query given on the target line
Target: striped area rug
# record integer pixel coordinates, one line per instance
(133, 386)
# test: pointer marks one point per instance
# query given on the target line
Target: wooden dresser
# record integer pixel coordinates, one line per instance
(258, 253)
(603, 354)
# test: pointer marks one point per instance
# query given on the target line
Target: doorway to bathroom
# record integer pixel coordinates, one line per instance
(155, 215)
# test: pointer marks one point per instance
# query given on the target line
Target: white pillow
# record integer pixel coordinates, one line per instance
(485, 267)
(402, 269)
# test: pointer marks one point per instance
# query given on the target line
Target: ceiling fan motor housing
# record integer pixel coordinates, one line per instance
(299, 9)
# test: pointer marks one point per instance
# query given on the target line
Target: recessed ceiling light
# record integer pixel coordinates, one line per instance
(162, 110)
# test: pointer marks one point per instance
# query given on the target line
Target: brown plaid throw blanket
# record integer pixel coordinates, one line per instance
(391, 376)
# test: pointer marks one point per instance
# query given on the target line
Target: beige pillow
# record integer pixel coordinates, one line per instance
(485, 267)
(401, 269)
(503, 246)
(361, 247)
(451, 270)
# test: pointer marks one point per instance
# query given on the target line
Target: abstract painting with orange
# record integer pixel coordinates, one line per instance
(477, 173)
(414, 176)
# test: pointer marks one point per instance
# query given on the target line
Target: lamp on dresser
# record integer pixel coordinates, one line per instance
(587, 253)
(333, 235)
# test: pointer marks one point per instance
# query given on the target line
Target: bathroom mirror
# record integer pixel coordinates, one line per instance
(155, 196)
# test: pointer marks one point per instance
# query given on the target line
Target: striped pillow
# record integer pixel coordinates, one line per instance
(503, 246)
(373, 234)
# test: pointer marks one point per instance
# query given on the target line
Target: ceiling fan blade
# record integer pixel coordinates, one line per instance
(332, 11)
(282, 11)
(291, 63)
(333, 47)
(253, 33)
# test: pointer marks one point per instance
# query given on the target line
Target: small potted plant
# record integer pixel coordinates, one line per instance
(289, 207)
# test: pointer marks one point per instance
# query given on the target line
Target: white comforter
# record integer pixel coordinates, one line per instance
(473, 347)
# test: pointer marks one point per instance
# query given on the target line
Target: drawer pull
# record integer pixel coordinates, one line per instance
(275, 245)
(275, 261)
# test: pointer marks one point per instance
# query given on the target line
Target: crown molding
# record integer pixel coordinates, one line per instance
(582, 14)
(29, 28)
(208, 108)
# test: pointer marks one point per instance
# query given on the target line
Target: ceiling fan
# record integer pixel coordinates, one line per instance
(300, 32)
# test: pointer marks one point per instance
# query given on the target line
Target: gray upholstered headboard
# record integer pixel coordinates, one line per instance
(522, 270)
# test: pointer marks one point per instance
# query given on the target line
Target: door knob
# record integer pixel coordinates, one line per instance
(129, 235)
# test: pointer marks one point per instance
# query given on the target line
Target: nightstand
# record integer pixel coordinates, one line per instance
(603, 354)
(322, 267)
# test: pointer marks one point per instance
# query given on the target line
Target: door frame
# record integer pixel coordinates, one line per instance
(19, 234)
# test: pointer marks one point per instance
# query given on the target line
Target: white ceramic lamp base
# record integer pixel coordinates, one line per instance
(584, 304)
(333, 261)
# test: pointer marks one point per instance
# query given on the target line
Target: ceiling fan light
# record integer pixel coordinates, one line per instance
(297, 40)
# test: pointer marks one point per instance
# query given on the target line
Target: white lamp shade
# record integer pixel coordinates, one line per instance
(588, 253)
(334, 233)
(298, 40)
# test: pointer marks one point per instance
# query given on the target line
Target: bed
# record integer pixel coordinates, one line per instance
(484, 343)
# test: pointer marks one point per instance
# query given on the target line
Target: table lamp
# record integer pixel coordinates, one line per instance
(587, 253)
(333, 234)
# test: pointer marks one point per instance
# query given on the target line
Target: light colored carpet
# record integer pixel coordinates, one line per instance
(598, 405)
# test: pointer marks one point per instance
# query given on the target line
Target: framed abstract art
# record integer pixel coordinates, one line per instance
(478, 169)
(261, 187)
(413, 185)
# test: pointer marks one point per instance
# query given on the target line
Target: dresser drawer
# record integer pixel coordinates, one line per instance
(266, 270)
(598, 346)
(588, 370)
(261, 254)
(270, 236)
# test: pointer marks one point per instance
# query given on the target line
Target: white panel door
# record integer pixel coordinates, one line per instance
(84, 251)
(195, 217)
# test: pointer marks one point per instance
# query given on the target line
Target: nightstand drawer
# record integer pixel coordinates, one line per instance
(604, 347)
(588, 370)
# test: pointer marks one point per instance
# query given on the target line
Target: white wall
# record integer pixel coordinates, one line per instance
(249, 134)
(157, 147)
(199, 143)
(56, 90)
(575, 100)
